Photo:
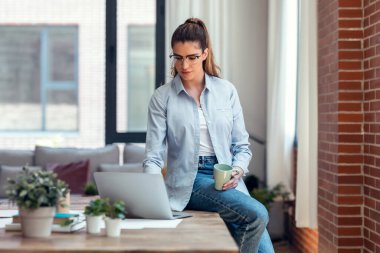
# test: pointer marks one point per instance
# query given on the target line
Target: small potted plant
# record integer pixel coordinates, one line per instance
(94, 212)
(276, 200)
(37, 194)
(90, 189)
(114, 215)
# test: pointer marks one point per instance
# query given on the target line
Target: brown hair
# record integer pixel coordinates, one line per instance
(195, 30)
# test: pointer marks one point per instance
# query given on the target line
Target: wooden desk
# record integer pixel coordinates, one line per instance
(204, 232)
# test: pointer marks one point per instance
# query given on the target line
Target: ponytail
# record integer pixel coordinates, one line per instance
(195, 30)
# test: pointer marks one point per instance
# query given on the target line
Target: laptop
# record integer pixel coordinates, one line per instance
(144, 194)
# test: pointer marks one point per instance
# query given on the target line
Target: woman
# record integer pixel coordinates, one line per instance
(198, 118)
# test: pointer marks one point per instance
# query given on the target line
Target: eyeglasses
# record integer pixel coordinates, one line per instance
(191, 59)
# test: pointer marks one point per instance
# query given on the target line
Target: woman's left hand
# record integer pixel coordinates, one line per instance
(236, 174)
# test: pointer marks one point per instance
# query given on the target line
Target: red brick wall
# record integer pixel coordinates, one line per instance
(371, 110)
(349, 128)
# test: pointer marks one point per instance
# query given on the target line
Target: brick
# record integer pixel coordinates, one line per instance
(349, 44)
(352, 117)
(350, 34)
(349, 200)
(369, 245)
(352, 190)
(374, 18)
(349, 221)
(349, 250)
(350, 55)
(350, 158)
(350, 106)
(369, 95)
(350, 241)
(350, 13)
(374, 62)
(350, 128)
(350, 85)
(369, 74)
(349, 210)
(346, 148)
(351, 138)
(350, 75)
(350, 3)
(349, 169)
(369, 9)
(349, 96)
(350, 65)
(369, 31)
(375, 106)
(351, 179)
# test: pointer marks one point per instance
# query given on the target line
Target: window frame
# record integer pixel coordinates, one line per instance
(111, 134)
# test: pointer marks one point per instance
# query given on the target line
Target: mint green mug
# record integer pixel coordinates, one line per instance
(222, 174)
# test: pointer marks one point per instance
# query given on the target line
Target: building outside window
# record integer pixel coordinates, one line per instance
(52, 70)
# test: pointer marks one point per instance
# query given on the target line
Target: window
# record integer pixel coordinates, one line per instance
(38, 78)
(135, 65)
(70, 72)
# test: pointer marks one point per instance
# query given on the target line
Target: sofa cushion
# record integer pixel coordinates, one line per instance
(130, 167)
(11, 172)
(133, 153)
(75, 174)
(96, 156)
(16, 157)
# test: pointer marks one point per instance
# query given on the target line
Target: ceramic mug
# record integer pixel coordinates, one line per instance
(222, 174)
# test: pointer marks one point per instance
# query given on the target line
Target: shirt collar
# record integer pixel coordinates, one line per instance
(179, 85)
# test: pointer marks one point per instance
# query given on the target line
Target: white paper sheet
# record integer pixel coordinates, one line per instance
(147, 223)
(8, 213)
(4, 221)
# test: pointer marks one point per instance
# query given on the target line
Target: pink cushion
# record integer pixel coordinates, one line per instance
(75, 174)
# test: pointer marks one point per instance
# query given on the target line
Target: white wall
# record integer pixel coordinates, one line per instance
(248, 49)
(248, 69)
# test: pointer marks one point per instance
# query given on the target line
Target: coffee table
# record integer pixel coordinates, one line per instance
(204, 232)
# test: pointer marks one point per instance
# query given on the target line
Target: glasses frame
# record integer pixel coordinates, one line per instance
(182, 59)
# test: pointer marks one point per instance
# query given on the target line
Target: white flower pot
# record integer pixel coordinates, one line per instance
(94, 224)
(37, 222)
(113, 227)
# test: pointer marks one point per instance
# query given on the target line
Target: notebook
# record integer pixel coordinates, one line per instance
(144, 194)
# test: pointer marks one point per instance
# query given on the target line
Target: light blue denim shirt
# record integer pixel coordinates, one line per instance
(173, 124)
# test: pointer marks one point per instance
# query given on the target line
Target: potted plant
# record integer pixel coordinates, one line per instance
(276, 201)
(94, 212)
(90, 189)
(37, 194)
(114, 215)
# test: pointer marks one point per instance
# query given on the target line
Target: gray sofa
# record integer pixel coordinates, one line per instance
(106, 158)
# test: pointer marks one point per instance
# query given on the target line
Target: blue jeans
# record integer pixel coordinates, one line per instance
(245, 217)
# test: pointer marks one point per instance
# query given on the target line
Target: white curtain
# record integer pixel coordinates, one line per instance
(282, 79)
(307, 130)
(215, 15)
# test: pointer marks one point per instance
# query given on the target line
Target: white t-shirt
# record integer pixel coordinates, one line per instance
(205, 145)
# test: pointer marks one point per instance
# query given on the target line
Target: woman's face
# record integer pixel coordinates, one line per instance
(187, 59)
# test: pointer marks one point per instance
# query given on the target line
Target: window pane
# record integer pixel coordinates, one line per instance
(20, 78)
(63, 45)
(28, 55)
(141, 74)
(62, 110)
(136, 62)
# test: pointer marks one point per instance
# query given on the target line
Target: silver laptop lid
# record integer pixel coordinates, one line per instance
(144, 194)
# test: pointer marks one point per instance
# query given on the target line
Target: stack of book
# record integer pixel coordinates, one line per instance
(63, 222)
